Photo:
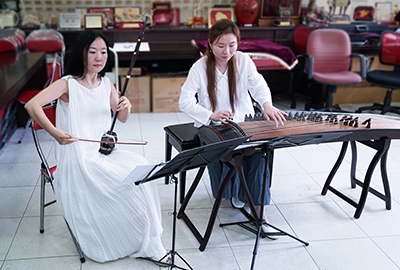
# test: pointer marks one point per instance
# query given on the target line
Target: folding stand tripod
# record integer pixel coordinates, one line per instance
(255, 218)
(187, 160)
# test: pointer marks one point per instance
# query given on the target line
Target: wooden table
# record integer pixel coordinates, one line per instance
(16, 76)
(18, 72)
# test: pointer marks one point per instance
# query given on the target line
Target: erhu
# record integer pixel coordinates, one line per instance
(109, 139)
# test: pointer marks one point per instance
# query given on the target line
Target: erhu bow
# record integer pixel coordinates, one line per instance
(109, 139)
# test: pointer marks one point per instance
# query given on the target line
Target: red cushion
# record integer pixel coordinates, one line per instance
(300, 35)
(337, 78)
(7, 45)
(331, 49)
(44, 45)
(390, 51)
(52, 170)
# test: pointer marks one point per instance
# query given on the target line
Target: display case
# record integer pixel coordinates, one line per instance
(268, 14)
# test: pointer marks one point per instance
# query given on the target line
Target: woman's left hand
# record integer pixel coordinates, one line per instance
(124, 103)
(272, 113)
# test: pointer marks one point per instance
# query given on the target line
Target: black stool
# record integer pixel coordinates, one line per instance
(182, 137)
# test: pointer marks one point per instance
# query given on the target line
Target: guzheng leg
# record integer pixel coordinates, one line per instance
(382, 146)
(181, 213)
(334, 170)
(353, 163)
(203, 240)
(385, 181)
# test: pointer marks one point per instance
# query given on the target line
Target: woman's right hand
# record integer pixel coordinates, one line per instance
(63, 137)
(221, 116)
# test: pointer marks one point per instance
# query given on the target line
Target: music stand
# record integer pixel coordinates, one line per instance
(266, 148)
(187, 160)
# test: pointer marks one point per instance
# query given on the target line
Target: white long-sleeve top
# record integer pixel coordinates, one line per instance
(248, 79)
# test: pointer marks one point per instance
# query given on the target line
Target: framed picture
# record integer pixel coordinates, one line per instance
(70, 20)
(94, 21)
(127, 14)
(108, 15)
(383, 11)
(82, 11)
(363, 13)
(215, 14)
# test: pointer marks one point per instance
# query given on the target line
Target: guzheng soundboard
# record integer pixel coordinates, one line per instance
(302, 128)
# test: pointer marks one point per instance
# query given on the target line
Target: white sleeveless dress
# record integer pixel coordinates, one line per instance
(109, 221)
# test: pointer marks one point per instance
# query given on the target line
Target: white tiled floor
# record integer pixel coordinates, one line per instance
(337, 240)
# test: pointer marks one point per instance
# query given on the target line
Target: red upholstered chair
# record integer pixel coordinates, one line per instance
(46, 172)
(52, 43)
(389, 55)
(48, 41)
(12, 40)
(27, 95)
(8, 44)
(299, 38)
(328, 62)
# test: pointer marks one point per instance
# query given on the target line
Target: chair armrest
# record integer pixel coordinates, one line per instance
(309, 65)
(363, 71)
(369, 64)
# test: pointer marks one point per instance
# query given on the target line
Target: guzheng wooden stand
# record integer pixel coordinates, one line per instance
(304, 129)
(381, 146)
(187, 160)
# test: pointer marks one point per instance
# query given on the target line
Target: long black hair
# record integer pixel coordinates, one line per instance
(219, 28)
(76, 59)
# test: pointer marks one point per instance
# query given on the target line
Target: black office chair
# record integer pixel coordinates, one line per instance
(390, 79)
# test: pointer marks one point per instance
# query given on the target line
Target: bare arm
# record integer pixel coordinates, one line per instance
(120, 104)
(58, 89)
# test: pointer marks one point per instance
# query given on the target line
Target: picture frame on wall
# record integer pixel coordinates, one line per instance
(127, 17)
(94, 21)
(215, 14)
(108, 15)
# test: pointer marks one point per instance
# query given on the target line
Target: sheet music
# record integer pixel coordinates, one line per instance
(130, 47)
(140, 172)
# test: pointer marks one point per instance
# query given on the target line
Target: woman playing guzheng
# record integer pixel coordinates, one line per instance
(216, 90)
(108, 220)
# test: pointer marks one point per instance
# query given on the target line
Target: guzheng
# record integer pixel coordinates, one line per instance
(307, 127)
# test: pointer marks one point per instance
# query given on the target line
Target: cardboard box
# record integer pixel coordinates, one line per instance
(138, 92)
(165, 93)
(122, 71)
